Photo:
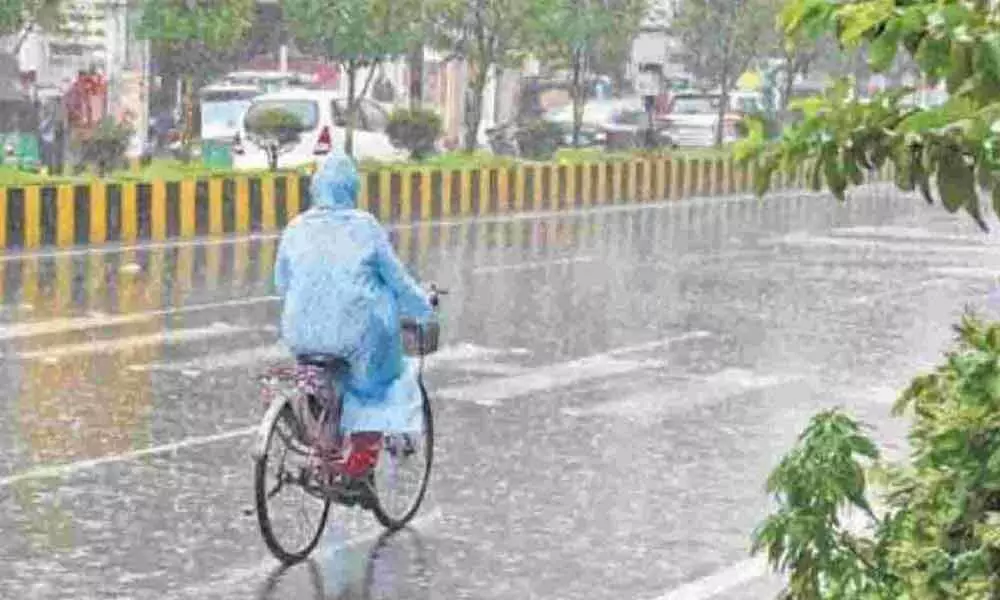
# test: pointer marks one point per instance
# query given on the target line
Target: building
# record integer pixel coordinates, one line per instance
(654, 45)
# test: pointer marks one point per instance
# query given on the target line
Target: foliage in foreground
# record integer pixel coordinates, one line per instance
(948, 152)
(936, 533)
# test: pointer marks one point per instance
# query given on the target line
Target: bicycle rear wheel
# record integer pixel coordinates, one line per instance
(282, 464)
(403, 471)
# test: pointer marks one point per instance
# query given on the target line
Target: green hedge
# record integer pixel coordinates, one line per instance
(173, 170)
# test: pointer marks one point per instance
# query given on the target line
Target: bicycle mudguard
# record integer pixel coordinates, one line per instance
(264, 428)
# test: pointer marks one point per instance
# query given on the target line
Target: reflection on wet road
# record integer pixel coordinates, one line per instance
(613, 387)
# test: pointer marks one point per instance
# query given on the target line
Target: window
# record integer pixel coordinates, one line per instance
(306, 110)
(693, 105)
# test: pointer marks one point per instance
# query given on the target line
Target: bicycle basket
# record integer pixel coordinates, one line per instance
(420, 339)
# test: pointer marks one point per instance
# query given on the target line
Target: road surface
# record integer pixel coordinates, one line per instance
(613, 389)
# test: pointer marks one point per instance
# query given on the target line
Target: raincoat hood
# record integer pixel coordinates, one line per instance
(335, 185)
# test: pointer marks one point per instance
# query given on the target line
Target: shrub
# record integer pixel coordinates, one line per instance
(274, 131)
(104, 146)
(415, 130)
(937, 534)
(539, 140)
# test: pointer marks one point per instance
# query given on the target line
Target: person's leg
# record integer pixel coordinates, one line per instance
(378, 363)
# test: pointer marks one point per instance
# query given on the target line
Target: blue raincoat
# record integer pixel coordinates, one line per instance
(344, 291)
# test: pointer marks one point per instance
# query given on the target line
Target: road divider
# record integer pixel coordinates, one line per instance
(101, 212)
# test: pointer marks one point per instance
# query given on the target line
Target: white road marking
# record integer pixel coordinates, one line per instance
(128, 343)
(906, 233)
(899, 293)
(799, 239)
(657, 344)
(527, 266)
(968, 272)
(713, 585)
(697, 391)
(492, 392)
(464, 353)
(550, 377)
(61, 470)
(56, 326)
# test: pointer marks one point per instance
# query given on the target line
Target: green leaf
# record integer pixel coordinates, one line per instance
(762, 172)
(960, 67)
(835, 178)
(987, 56)
(956, 181)
(882, 51)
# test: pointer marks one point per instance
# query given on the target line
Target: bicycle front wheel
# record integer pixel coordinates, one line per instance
(404, 470)
(293, 524)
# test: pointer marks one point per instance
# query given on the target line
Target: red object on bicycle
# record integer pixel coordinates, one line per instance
(365, 448)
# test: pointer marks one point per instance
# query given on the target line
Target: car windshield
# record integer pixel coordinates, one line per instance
(746, 104)
(695, 105)
(306, 110)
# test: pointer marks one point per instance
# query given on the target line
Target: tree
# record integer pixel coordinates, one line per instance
(356, 34)
(274, 131)
(564, 33)
(720, 40)
(22, 17)
(488, 34)
(948, 152)
(935, 530)
(191, 33)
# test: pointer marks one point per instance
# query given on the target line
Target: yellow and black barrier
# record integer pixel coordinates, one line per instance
(99, 213)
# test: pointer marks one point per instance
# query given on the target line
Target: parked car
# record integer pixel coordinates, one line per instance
(692, 117)
(323, 115)
(616, 123)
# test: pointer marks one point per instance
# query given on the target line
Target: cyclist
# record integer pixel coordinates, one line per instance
(344, 292)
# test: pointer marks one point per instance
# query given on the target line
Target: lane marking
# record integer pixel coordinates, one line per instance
(968, 272)
(551, 377)
(129, 343)
(68, 468)
(57, 326)
(690, 393)
(669, 205)
(899, 293)
(527, 266)
(61, 470)
(805, 240)
(721, 581)
(905, 233)
(470, 355)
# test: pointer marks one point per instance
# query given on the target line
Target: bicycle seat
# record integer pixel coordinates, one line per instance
(328, 362)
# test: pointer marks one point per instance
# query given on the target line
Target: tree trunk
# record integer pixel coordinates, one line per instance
(272, 157)
(417, 77)
(723, 106)
(474, 112)
(578, 99)
(22, 38)
(786, 88)
(188, 127)
(352, 108)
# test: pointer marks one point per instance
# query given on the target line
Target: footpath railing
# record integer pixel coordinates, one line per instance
(98, 213)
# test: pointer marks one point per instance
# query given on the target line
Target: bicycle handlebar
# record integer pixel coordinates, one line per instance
(435, 295)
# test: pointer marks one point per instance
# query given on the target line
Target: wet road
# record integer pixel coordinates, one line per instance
(613, 389)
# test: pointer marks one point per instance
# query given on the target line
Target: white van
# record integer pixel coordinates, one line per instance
(323, 114)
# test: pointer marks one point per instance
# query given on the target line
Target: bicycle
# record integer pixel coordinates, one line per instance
(307, 421)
